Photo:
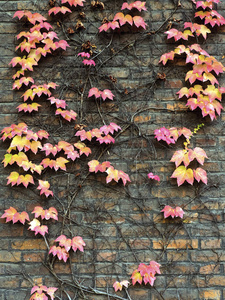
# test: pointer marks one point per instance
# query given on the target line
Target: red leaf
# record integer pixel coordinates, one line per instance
(77, 243)
(139, 21)
(200, 174)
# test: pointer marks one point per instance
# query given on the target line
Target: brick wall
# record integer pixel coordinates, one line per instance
(122, 226)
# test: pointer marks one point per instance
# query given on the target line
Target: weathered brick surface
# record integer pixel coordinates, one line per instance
(121, 226)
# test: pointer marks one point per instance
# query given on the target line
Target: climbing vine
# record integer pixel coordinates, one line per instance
(26, 145)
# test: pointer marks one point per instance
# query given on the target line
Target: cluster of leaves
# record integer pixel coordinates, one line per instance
(152, 176)
(145, 273)
(42, 292)
(63, 9)
(65, 244)
(120, 19)
(113, 174)
(172, 212)
(171, 135)
(101, 134)
(103, 94)
(87, 62)
(37, 43)
(205, 67)
(185, 156)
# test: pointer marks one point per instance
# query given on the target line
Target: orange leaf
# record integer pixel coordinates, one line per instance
(182, 174)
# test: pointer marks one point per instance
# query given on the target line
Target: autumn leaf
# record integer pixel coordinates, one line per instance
(9, 214)
(181, 156)
(182, 174)
(172, 212)
(152, 176)
(139, 5)
(39, 211)
(119, 285)
(139, 22)
(74, 2)
(200, 174)
(77, 243)
(136, 277)
(64, 242)
(57, 10)
(61, 253)
(107, 94)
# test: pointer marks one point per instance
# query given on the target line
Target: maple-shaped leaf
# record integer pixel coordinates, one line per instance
(113, 25)
(64, 242)
(46, 162)
(62, 44)
(84, 135)
(181, 156)
(199, 154)
(74, 2)
(21, 217)
(58, 9)
(124, 177)
(44, 188)
(106, 139)
(168, 211)
(39, 211)
(93, 166)
(152, 176)
(66, 114)
(49, 148)
(77, 243)
(18, 74)
(119, 285)
(23, 80)
(84, 54)
(107, 94)
(139, 22)
(182, 174)
(60, 163)
(51, 213)
(103, 166)
(36, 226)
(89, 62)
(167, 56)
(50, 291)
(42, 134)
(83, 148)
(209, 76)
(25, 180)
(94, 92)
(58, 102)
(34, 223)
(200, 174)
(123, 19)
(43, 229)
(136, 277)
(137, 4)
(110, 128)
(187, 133)
(28, 107)
(113, 174)
(9, 214)
(61, 253)
(104, 27)
(179, 212)
(12, 178)
(164, 134)
(34, 146)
